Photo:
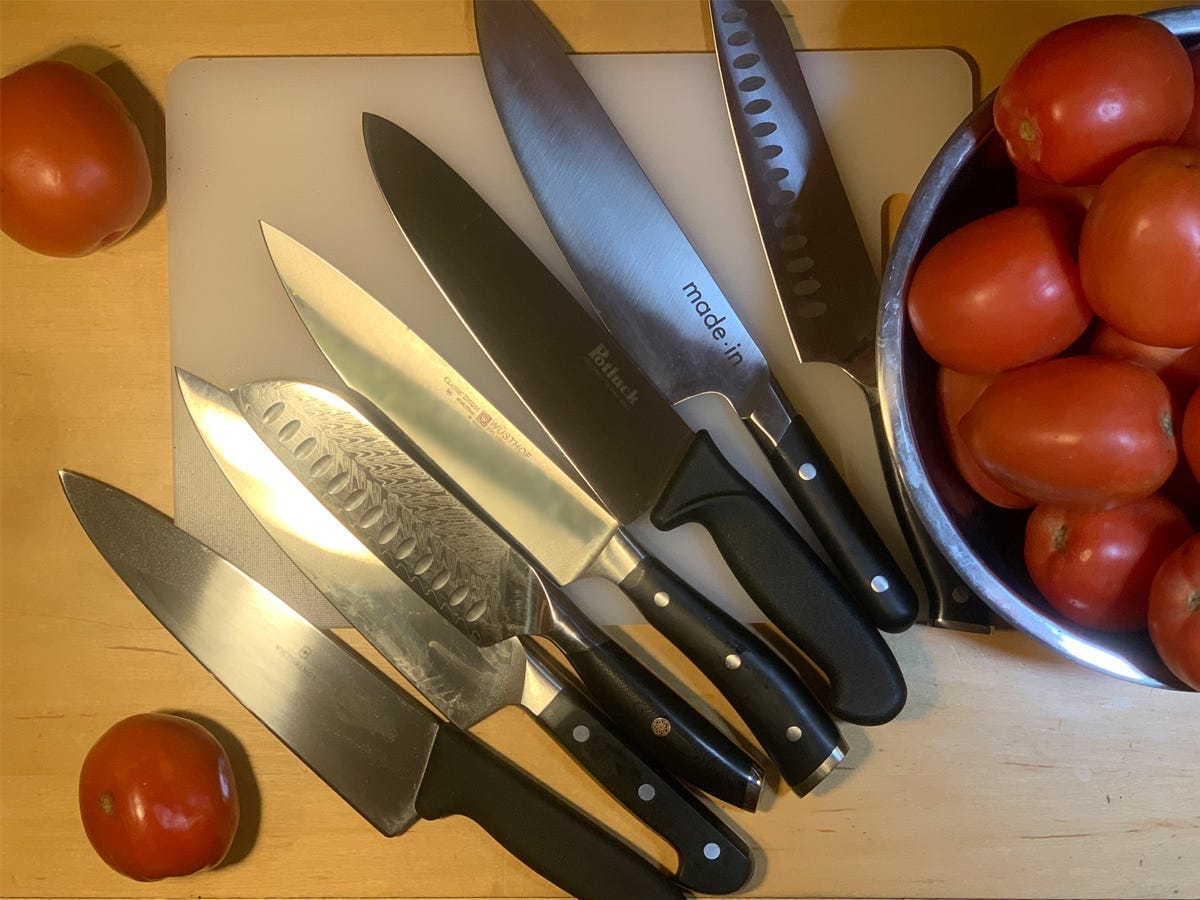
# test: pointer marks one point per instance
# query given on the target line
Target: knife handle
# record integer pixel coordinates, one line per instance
(952, 604)
(787, 719)
(665, 727)
(712, 858)
(862, 559)
(788, 582)
(463, 777)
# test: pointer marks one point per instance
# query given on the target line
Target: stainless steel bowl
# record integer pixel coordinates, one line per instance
(971, 177)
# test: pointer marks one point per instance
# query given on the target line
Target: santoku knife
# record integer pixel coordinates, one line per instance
(543, 510)
(622, 436)
(653, 292)
(294, 484)
(388, 757)
(825, 282)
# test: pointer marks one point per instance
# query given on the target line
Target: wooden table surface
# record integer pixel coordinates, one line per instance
(1012, 772)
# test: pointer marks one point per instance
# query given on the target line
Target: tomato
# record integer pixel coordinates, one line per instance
(1095, 566)
(1191, 133)
(1190, 433)
(1178, 367)
(158, 798)
(73, 169)
(1077, 431)
(1072, 199)
(1174, 614)
(1000, 292)
(1088, 95)
(1139, 252)
(957, 393)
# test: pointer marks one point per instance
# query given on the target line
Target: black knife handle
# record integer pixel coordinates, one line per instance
(463, 777)
(952, 604)
(665, 727)
(712, 858)
(787, 719)
(861, 558)
(788, 582)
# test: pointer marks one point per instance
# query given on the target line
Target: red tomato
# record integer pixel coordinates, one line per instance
(1191, 134)
(957, 393)
(1090, 94)
(1095, 566)
(1077, 431)
(1073, 199)
(1139, 252)
(1000, 292)
(1174, 614)
(1190, 432)
(73, 169)
(1178, 367)
(158, 798)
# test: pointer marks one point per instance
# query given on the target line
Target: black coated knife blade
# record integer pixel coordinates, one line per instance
(623, 437)
(301, 481)
(389, 758)
(825, 282)
(654, 293)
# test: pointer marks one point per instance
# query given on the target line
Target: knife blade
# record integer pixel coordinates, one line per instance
(481, 452)
(825, 282)
(621, 435)
(654, 293)
(464, 682)
(385, 755)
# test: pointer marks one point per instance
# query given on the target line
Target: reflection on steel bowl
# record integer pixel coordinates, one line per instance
(970, 177)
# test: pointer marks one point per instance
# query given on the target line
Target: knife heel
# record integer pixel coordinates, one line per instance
(788, 582)
(784, 715)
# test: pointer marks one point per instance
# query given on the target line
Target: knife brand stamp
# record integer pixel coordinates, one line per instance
(711, 321)
(474, 410)
(612, 374)
(298, 661)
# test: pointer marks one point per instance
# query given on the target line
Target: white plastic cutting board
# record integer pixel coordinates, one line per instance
(279, 139)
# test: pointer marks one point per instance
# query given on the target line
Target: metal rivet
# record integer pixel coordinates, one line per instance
(581, 733)
(711, 851)
(794, 733)
(807, 471)
(661, 727)
(879, 584)
(662, 598)
(646, 792)
(733, 661)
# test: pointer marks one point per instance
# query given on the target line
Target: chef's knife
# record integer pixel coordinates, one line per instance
(543, 510)
(390, 759)
(824, 279)
(622, 436)
(653, 292)
(464, 682)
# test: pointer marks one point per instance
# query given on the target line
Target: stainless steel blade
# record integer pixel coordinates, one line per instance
(632, 258)
(366, 739)
(618, 431)
(465, 682)
(824, 279)
(533, 501)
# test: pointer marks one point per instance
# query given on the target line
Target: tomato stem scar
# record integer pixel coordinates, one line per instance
(1027, 131)
(107, 804)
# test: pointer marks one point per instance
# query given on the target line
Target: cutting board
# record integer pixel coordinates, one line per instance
(279, 139)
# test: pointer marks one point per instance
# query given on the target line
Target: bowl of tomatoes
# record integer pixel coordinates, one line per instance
(1039, 353)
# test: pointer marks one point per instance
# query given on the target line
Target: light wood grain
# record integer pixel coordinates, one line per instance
(1011, 773)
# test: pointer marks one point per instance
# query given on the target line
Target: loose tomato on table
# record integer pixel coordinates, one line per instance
(1095, 566)
(1174, 613)
(1000, 292)
(158, 798)
(73, 169)
(1139, 251)
(1088, 95)
(1078, 431)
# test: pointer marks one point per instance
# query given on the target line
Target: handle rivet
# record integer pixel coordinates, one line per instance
(646, 792)
(711, 851)
(794, 733)
(733, 661)
(662, 598)
(661, 727)
(807, 471)
(879, 584)
(581, 733)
